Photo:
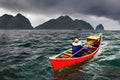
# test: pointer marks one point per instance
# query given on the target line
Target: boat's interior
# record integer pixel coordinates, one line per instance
(91, 49)
(68, 53)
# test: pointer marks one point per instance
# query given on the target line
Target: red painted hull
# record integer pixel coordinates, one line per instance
(58, 63)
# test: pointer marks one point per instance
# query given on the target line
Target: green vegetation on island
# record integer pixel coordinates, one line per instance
(17, 22)
(65, 22)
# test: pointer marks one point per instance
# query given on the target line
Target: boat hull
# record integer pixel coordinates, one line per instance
(73, 68)
(58, 63)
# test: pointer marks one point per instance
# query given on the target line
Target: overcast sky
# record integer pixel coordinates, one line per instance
(106, 12)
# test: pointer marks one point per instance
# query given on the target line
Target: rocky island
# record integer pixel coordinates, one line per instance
(17, 22)
(99, 27)
(65, 22)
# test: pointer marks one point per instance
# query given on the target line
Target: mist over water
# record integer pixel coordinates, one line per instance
(24, 54)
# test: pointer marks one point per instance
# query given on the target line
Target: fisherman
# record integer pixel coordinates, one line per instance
(77, 48)
(96, 43)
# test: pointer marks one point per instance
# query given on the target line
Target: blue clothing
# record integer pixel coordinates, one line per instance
(85, 49)
(75, 49)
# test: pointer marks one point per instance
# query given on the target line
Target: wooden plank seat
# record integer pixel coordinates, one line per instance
(66, 54)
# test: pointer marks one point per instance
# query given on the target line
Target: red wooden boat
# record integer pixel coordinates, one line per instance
(64, 59)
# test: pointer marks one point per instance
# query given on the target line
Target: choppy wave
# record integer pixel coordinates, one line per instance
(24, 54)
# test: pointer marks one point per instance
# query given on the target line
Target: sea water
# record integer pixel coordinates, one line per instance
(24, 54)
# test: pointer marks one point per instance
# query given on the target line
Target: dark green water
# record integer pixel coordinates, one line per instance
(24, 54)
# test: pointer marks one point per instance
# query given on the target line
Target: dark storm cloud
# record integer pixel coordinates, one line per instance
(106, 8)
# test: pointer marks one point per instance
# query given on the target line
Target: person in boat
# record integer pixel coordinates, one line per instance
(77, 48)
(96, 43)
(93, 45)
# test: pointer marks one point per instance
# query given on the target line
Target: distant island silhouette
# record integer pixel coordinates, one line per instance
(63, 22)
(17, 22)
(99, 27)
